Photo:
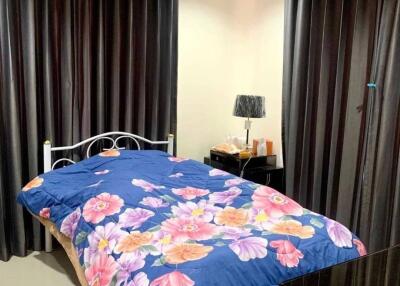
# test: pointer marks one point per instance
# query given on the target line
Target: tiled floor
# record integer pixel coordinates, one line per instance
(38, 268)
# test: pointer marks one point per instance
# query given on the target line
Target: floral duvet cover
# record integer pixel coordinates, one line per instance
(139, 218)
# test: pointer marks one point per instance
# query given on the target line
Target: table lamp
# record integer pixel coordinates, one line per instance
(249, 106)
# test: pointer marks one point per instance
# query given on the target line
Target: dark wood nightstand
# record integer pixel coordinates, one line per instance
(260, 169)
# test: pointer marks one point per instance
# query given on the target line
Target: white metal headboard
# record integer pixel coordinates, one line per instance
(48, 149)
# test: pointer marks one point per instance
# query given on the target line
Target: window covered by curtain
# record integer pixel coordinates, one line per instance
(72, 69)
(341, 136)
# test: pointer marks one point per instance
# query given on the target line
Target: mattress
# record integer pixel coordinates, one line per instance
(146, 218)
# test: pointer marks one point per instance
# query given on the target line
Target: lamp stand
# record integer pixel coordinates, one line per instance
(247, 126)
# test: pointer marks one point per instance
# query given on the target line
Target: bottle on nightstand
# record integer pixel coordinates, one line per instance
(261, 147)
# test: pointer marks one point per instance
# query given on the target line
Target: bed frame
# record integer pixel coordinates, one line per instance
(112, 137)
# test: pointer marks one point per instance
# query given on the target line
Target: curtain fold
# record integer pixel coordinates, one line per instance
(73, 69)
(381, 189)
(341, 137)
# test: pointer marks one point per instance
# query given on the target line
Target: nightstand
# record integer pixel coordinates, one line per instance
(260, 169)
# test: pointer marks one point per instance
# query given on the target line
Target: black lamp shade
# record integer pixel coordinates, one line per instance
(252, 106)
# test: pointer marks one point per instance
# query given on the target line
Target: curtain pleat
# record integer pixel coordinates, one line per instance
(114, 99)
(11, 137)
(341, 138)
(73, 69)
(129, 68)
(384, 147)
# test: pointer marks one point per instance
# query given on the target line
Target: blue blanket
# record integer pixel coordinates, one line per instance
(139, 218)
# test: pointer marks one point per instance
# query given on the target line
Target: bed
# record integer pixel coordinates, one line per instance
(145, 217)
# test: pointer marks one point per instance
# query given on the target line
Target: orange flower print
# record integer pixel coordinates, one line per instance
(186, 252)
(36, 182)
(110, 153)
(292, 227)
(133, 241)
(230, 216)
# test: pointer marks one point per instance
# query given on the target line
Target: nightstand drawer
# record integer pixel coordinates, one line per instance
(268, 176)
(223, 159)
(217, 158)
(224, 167)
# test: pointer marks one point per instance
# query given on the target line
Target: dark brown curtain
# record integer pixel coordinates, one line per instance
(73, 69)
(342, 136)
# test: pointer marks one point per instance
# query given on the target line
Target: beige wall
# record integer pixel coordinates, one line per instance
(227, 47)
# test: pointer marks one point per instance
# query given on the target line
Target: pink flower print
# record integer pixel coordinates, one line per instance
(275, 204)
(287, 254)
(102, 239)
(177, 159)
(101, 270)
(202, 210)
(217, 172)
(360, 247)
(140, 279)
(176, 175)
(174, 278)
(225, 197)
(103, 172)
(146, 186)
(234, 182)
(234, 233)
(154, 202)
(189, 193)
(134, 217)
(339, 234)
(97, 208)
(45, 213)
(182, 229)
(70, 222)
(250, 248)
(128, 263)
